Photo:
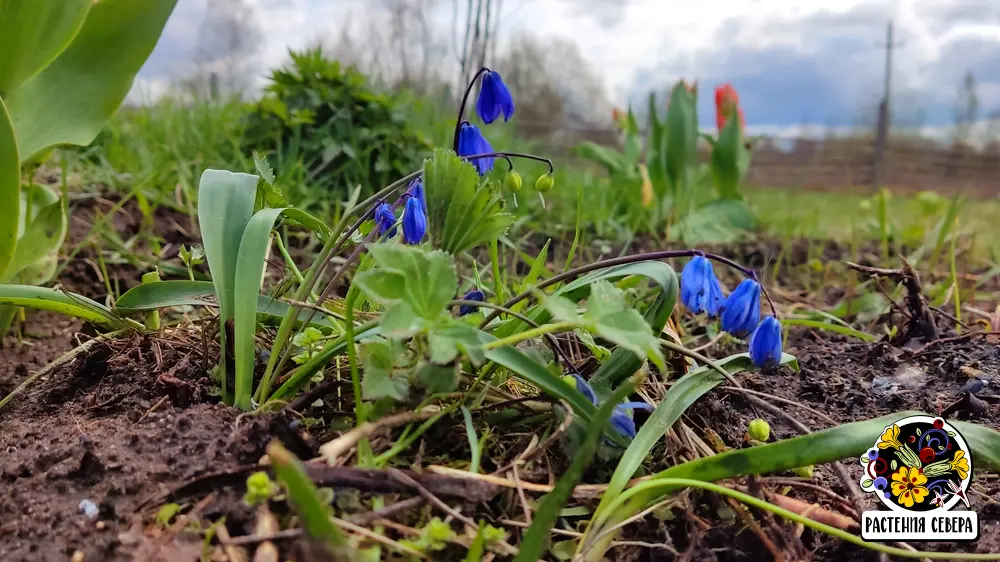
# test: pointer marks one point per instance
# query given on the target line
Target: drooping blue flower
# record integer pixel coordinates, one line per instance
(584, 388)
(473, 295)
(414, 221)
(385, 219)
(741, 311)
(494, 98)
(765, 343)
(700, 288)
(416, 189)
(620, 420)
(472, 142)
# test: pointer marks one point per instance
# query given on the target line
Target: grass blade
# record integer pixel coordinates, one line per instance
(535, 539)
(830, 327)
(304, 497)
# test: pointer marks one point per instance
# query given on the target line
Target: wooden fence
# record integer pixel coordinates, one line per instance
(836, 164)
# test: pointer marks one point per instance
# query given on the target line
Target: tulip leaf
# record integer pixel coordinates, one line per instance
(722, 221)
(10, 190)
(682, 137)
(96, 69)
(44, 231)
(33, 33)
(730, 160)
(62, 302)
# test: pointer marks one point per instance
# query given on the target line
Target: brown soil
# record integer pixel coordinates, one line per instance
(132, 420)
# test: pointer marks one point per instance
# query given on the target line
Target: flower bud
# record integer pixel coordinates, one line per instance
(544, 183)
(512, 181)
(759, 430)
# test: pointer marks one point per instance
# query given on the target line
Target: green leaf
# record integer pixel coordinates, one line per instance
(225, 207)
(304, 497)
(62, 302)
(844, 441)
(682, 136)
(264, 169)
(561, 308)
(437, 379)
(382, 287)
(681, 396)
(610, 317)
(447, 340)
(615, 162)
(729, 160)
(462, 214)
(33, 33)
(430, 281)
(250, 264)
(380, 380)
(10, 190)
(42, 236)
(71, 98)
(719, 222)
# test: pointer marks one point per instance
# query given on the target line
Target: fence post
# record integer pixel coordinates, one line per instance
(878, 154)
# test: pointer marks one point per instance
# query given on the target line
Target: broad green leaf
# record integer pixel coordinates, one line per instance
(610, 317)
(62, 302)
(719, 222)
(462, 213)
(729, 160)
(430, 279)
(168, 294)
(380, 380)
(561, 308)
(844, 441)
(33, 33)
(96, 70)
(438, 379)
(383, 287)
(682, 136)
(615, 162)
(447, 340)
(42, 236)
(250, 263)
(656, 156)
(225, 206)
(10, 190)
(313, 512)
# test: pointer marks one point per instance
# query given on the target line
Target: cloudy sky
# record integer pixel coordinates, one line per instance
(793, 61)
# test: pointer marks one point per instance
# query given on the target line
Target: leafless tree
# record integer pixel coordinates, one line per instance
(225, 56)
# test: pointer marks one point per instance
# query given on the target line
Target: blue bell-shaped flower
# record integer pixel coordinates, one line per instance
(414, 221)
(494, 98)
(416, 189)
(584, 388)
(473, 295)
(620, 420)
(765, 343)
(741, 311)
(700, 288)
(472, 142)
(385, 219)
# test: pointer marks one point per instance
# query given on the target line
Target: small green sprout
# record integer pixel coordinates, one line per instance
(260, 488)
(166, 514)
(759, 430)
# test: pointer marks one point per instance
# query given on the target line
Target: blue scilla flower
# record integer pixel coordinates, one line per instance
(471, 142)
(414, 221)
(473, 295)
(620, 420)
(494, 98)
(385, 219)
(741, 311)
(765, 343)
(700, 288)
(416, 189)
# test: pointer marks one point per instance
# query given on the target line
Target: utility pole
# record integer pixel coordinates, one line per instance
(884, 114)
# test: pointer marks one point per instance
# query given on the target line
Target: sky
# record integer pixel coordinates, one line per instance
(795, 63)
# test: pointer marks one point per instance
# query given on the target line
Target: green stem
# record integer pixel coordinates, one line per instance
(280, 243)
(674, 483)
(495, 261)
(365, 456)
(528, 334)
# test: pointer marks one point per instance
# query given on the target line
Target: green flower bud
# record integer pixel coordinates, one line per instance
(545, 183)
(512, 181)
(759, 430)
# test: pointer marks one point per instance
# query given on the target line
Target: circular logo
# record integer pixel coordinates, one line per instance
(919, 463)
